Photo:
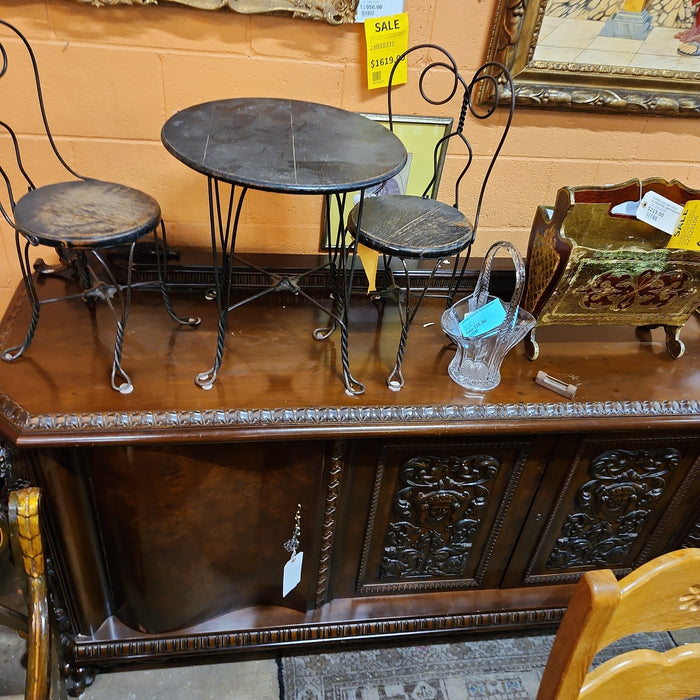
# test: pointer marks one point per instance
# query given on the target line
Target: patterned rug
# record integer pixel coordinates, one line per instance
(503, 669)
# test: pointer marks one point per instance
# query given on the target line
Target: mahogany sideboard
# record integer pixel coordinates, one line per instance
(423, 512)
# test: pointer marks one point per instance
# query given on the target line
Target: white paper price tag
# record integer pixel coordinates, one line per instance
(369, 9)
(659, 212)
(292, 573)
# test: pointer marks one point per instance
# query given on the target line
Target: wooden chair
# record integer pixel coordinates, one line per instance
(81, 219)
(663, 594)
(411, 227)
(21, 531)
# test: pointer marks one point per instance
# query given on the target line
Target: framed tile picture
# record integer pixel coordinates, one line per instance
(585, 55)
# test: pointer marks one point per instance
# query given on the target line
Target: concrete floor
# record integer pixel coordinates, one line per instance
(241, 680)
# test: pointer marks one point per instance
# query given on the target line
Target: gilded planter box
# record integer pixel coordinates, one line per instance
(587, 266)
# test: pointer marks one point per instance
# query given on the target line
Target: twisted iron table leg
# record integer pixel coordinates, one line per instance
(223, 238)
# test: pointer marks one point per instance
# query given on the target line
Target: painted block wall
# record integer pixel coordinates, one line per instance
(113, 75)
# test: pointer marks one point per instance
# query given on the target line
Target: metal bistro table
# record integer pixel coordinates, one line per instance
(281, 145)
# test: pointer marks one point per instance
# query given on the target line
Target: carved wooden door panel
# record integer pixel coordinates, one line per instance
(607, 502)
(434, 515)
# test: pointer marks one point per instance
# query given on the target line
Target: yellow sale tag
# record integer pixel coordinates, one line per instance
(387, 39)
(687, 233)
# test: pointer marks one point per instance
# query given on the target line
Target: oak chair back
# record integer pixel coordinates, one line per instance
(20, 530)
(662, 595)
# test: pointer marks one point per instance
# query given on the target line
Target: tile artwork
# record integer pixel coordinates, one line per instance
(571, 33)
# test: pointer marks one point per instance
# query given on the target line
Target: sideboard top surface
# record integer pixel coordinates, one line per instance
(277, 382)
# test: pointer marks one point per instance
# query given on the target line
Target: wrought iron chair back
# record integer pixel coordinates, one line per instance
(411, 227)
(489, 79)
(80, 219)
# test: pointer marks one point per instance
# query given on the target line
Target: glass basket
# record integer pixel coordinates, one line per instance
(477, 363)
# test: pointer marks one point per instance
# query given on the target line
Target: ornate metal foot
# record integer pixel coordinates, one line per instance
(643, 333)
(532, 349)
(674, 345)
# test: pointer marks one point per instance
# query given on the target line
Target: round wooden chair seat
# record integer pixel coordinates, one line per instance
(86, 214)
(411, 227)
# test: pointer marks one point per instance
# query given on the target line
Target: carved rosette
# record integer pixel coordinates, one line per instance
(435, 515)
(612, 507)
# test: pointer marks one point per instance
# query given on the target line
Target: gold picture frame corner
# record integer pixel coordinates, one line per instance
(330, 11)
(567, 85)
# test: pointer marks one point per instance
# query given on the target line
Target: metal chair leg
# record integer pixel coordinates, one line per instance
(407, 312)
(11, 354)
(107, 292)
(162, 266)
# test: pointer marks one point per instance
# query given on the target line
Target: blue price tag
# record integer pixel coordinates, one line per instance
(483, 320)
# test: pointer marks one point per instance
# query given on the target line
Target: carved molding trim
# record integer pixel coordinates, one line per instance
(331, 11)
(174, 646)
(106, 423)
(507, 498)
(329, 521)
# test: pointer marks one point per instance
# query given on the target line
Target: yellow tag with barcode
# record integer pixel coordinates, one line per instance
(387, 39)
(687, 233)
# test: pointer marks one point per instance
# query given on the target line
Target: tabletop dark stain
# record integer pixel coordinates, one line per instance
(284, 145)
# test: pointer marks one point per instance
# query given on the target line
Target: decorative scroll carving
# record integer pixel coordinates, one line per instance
(10, 478)
(612, 507)
(651, 289)
(435, 515)
(5, 464)
(332, 11)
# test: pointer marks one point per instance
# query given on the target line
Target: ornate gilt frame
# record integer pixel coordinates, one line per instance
(331, 11)
(583, 87)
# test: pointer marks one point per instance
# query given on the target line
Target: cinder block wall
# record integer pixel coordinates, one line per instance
(113, 75)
